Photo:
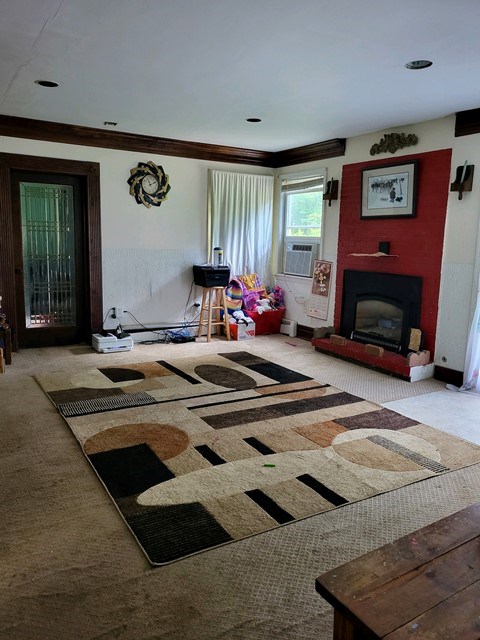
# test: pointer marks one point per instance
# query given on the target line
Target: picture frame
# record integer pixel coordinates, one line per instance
(389, 191)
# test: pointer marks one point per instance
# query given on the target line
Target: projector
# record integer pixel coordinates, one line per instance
(111, 343)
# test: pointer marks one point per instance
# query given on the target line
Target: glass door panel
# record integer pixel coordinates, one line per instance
(48, 242)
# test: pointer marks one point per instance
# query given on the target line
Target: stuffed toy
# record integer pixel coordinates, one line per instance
(277, 296)
(263, 304)
(240, 318)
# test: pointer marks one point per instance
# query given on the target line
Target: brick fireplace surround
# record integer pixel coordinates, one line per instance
(416, 246)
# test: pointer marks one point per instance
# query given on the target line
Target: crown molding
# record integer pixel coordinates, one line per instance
(91, 137)
(467, 122)
(16, 127)
(317, 151)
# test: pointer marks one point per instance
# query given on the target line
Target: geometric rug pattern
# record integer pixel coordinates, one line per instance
(199, 452)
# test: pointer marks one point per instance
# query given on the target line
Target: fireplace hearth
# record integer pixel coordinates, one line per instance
(381, 308)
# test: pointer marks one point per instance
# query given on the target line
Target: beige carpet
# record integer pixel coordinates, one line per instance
(202, 451)
(61, 536)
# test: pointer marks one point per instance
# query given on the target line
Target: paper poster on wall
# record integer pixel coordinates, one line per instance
(320, 296)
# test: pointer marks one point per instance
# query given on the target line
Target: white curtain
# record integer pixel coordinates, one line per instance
(471, 380)
(240, 216)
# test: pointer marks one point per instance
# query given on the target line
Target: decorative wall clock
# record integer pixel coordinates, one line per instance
(148, 184)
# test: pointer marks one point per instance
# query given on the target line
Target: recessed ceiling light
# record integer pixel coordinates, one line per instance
(46, 83)
(419, 64)
(254, 119)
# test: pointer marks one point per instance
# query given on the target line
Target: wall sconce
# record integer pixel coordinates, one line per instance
(463, 179)
(331, 192)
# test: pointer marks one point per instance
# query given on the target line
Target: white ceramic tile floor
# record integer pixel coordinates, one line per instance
(455, 412)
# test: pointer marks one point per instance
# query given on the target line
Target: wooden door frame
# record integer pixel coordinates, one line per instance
(90, 171)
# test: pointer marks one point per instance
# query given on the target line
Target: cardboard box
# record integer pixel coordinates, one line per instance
(242, 331)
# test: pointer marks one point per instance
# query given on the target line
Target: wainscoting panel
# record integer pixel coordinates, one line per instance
(152, 284)
(454, 315)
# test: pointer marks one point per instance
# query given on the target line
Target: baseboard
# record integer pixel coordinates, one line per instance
(306, 333)
(450, 376)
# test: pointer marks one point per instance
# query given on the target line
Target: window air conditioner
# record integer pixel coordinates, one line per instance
(299, 258)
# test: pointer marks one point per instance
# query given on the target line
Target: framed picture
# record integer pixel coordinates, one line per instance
(390, 191)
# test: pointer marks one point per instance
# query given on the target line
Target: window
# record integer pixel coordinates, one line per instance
(302, 200)
(302, 209)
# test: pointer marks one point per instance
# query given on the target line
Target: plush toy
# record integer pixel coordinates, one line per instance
(273, 300)
(277, 296)
(263, 304)
(240, 318)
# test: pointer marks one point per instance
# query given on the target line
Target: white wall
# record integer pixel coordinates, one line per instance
(460, 268)
(148, 253)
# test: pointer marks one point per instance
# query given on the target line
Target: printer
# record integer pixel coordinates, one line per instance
(110, 343)
(206, 275)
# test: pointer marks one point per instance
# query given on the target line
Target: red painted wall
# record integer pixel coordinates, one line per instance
(418, 242)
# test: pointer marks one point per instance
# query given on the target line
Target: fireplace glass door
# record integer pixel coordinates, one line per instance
(380, 319)
(381, 308)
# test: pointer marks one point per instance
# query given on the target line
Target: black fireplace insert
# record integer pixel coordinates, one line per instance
(380, 308)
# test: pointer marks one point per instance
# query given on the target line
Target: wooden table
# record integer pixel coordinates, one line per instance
(423, 586)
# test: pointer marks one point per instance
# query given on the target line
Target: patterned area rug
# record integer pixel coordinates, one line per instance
(199, 452)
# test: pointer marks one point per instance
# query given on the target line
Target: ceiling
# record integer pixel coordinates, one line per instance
(194, 70)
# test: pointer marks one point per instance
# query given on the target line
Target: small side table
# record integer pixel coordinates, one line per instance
(213, 302)
(424, 585)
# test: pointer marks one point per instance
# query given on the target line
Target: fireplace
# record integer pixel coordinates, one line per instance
(380, 308)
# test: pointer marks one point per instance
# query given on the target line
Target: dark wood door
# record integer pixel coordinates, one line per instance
(50, 258)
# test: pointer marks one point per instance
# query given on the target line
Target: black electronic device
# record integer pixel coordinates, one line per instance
(206, 275)
(384, 247)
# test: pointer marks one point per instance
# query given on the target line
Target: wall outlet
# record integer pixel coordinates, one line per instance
(118, 313)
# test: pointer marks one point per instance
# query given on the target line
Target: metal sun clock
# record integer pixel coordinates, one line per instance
(148, 184)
